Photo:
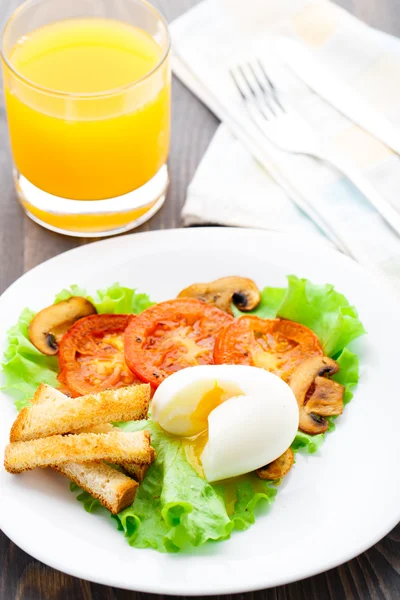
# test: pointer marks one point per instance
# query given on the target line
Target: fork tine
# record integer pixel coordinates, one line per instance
(246, 89)
(271, 85)
(262, 69)
(266, 94)
(252, 91)
(238, 85)
(257, 78)
(247, 80)
(257, 94)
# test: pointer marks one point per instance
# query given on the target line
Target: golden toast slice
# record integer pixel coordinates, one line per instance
(53, 413)
(113, 489)
(113, 447)
(138, 472)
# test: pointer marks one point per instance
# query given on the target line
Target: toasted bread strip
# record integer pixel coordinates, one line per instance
(138, 472)
(41, 397)
(112, 447)
(115, 490)
(53, 413)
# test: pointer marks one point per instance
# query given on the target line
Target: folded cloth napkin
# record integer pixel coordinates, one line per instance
(275, 190)
(231, 188)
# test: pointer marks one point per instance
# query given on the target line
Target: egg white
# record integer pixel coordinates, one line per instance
(255, 423)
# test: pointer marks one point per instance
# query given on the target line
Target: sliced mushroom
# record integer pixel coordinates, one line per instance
(222, 292)
(326, 399)
(279, 467)
(49, 325)
(307, 378)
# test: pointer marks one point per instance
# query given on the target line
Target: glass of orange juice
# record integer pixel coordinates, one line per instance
(87, 89)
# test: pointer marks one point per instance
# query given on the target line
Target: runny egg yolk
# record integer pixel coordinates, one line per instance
(197, 434)
(208, 402)
(186, 414)
(194, 445)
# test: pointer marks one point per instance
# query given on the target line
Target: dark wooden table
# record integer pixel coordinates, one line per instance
(23, 244)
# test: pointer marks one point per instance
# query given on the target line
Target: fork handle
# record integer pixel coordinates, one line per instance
(383, 206)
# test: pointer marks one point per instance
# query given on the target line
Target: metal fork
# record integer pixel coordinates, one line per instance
(287, 130)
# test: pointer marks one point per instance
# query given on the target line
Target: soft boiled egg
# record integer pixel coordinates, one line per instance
(236, 418)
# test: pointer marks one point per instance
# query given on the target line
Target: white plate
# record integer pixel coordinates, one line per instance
(332, 506)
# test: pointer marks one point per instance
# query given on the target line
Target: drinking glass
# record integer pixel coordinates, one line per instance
(87, 90)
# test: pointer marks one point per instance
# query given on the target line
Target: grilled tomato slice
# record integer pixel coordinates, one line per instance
(91, 355)
(172, 335)
(276, 345)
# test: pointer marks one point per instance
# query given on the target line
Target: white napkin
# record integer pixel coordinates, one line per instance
(229, 187)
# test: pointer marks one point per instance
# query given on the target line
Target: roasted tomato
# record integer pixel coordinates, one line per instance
(276, 345)
(172, 335)
(91, 355)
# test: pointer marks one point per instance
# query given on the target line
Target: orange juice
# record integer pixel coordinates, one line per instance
(79, 128)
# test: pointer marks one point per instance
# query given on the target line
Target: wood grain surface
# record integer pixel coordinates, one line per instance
(23, 244)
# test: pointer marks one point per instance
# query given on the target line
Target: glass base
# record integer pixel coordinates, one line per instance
(93, 218)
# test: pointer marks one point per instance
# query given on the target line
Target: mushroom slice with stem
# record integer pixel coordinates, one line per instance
(279, 467)
(326, 397)
(49, 325)
(222, 292)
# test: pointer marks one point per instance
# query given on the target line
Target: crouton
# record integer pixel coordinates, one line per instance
(138, 472)
(53, 413)
(112, 447)
(113, 489)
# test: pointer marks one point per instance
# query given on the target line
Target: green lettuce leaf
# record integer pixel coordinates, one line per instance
(190, 510)
(271, 299)
(175, 508)
(24, 367)
(348, 374)
(309, 444)
(320, 307)
(66, 293)
(115, 299)
(324, 310)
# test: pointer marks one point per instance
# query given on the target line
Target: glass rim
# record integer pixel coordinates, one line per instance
(86, 95)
